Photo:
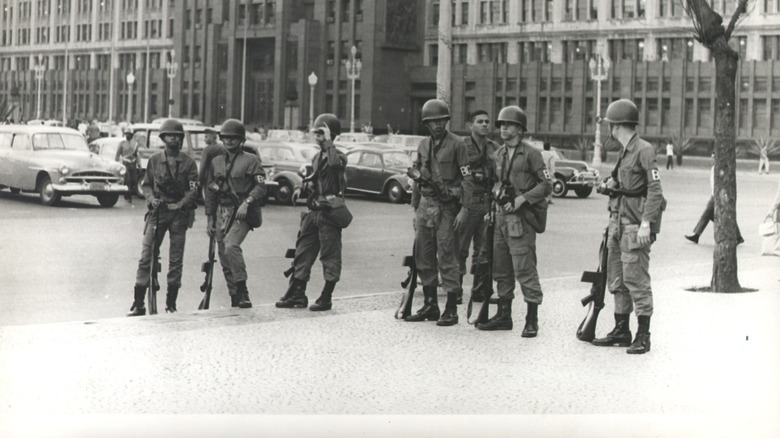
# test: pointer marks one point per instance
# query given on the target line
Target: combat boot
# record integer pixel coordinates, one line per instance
(619, 336)
(234, 299)
(138, 308)
(641, 344)
(502, 319)
(531, 322)
(243, 295)
(170, 299)
(295, 297)
(450, 315)
(429, 310)
(323, 302)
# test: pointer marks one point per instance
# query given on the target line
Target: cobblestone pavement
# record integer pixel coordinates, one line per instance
(713, 365)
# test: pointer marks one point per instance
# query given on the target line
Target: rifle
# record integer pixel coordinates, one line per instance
(595, 300)
(154, 266)
(484, 310)
(409, 285)
(208, 269)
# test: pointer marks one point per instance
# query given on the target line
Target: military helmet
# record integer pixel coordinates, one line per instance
(171, 127)
(329, 120)
(622, 111)
(232, 128)
(435, 109)
(512, 114)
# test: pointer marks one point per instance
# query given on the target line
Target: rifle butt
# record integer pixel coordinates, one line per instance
(586, 332)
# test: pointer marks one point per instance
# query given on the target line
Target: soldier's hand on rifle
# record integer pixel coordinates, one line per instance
(242, 210)
(155, 203)
(643, 235)
(510, 207)
(460, 219)
(211, 226)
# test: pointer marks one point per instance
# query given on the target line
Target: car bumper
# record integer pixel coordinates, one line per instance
(582, 181)
(93, 188)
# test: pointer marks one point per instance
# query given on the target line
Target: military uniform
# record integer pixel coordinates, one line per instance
(437, 246)
(476, 199)
(514, 246)
(242, 175)
(628, 275)
(209, 152)
(127, 154)
(174, 181)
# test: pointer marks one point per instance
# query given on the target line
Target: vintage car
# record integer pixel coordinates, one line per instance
(56, 162)
(287, 159)
(408, 143)
(378, 171)
(349, 140)
(573, 175)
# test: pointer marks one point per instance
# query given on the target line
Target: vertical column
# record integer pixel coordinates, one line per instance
(443, 71)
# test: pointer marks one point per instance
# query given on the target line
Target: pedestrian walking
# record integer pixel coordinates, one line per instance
(318, 232)
(520, 192)
(636, 205)
(442, 165)
(763, 159)
(235, 186)
(549, 158)
(669, 156)
(170, 188)
(470, 224)
(127, 154)
(709, 213)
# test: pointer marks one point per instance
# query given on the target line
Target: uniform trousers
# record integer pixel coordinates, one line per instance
(514, 258)
(628, 269)
(473, 229)
(175, 223)
(318, 235)
(437, 247)
(231, 257)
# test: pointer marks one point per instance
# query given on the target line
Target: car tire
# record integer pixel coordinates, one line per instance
(284, 193)
(15, 190)
(107, 200)
(559, 189)
(395, 193)
(583, 192)
(48, 195)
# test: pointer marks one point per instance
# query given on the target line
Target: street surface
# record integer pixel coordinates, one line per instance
(68, 353)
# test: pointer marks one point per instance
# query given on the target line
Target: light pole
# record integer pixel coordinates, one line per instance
(599, 71)
(172, 67)
(312, 84)
(353, 73)
(39, 70)
(130, 81)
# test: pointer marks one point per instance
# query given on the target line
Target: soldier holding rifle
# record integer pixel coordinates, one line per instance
(635, 207)
(520, 192)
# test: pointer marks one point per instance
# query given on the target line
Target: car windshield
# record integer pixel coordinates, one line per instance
(198, 140)
(398, 160)
(61, 141)
(109, 150)
(309, 153)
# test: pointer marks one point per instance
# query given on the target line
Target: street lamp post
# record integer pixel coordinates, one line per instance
(172, 67)
(312, 84)
(39, 70)
(353, 73)
(130, 81)
(599, 71)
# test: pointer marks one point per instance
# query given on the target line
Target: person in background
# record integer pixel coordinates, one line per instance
(709, 213)
(669, 156)
(549, 161)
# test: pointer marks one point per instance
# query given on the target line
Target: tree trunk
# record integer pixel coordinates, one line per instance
(724, 269)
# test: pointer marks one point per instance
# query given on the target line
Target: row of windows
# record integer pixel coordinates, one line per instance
(346, 8)
(128, 31)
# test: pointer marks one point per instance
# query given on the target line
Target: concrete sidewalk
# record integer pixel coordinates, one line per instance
(714, 363)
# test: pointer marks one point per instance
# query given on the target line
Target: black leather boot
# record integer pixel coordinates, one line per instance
(503, 318)
(234, 300)
(138, 309)
(323, 302)
(429, 310)
(641, 344)
(619, 336)
(243, 295)
(531, 322)
(170, 299)
(295, 297)
(450, 315)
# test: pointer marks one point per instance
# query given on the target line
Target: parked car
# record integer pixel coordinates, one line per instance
(288, 135)
(287, 159)
(379, 172)
(106, 147)
(351, 139)
(56, 162)
(573, 175)
(408, 143)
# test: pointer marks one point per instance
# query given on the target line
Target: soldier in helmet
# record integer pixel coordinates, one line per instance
(439, 172)
(317, 233)
(470, 223)
(212, 149)
(171, 189)
(635, 206)
(127, 154)
(521, 189)
(235, 186)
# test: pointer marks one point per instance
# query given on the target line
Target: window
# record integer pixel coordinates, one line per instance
(652, 118)
(492, 52)
(770, 47)
(345, 8)
(464, 13)
(705, 113)
(759, 114)
(461, 54)
(371, 160)
(743, 113)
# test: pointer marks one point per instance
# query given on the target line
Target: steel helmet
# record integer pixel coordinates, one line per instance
(622, 111)
(232, 128)
(329, 120)
(435, 109)
(171, 127)
(512, 114)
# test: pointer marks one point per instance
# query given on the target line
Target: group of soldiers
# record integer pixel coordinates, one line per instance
(233, 184)
(461, 186)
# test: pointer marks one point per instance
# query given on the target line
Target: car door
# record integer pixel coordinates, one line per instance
(5, 157)
(22, 174)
